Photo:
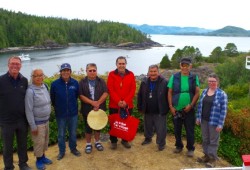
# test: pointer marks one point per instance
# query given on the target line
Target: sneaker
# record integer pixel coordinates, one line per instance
(211, 163)
(113, 146)
(177, 150)
(60, 156)
(46, 160)
(146, 141)
(39, 164)
(190, 153)
(126, 144)
(76, 152)
(203, 159)
(88, 149)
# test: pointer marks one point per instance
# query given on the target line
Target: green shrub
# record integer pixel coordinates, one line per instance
(237, 91)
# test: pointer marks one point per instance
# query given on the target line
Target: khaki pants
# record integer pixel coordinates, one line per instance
(41, 140)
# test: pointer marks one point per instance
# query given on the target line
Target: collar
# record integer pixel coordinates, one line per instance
(126, 71)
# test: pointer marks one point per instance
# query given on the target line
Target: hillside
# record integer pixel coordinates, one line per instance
(24, 30)
(230, 31)
(172, 30)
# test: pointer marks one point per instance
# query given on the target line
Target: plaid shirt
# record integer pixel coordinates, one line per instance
(218, 109)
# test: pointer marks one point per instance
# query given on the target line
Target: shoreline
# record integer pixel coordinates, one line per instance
(126, 46)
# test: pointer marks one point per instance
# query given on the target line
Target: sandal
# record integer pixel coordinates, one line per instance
(88, 149)
(99, 147)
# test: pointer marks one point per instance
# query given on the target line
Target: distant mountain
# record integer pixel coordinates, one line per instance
(173, 30)
(230, 31)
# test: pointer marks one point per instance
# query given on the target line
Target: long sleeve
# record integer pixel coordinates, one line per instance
(29, 104)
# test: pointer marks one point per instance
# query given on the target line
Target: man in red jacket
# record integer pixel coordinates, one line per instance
(121, 86)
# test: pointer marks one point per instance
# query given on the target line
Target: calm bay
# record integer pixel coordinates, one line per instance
(138, 60)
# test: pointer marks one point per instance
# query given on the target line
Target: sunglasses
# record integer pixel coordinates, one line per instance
(92, 71)
(184, 65)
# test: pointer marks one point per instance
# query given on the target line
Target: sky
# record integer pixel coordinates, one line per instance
(209, 14)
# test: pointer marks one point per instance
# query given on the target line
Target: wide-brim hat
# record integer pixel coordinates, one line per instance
(97, 120)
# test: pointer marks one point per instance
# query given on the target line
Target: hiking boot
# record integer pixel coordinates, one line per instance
(161, 148)
(126, 144)
(25, 167)
(46, 160)
(113, 146)
(211, 163)
(177, 150)
(60, 156)
(203, 159)
(146, 141)
(40, 164)
(76, 152)
(190, 153)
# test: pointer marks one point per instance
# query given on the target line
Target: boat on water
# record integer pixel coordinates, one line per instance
(24, 57)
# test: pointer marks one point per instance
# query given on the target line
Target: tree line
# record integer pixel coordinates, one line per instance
(19, 29)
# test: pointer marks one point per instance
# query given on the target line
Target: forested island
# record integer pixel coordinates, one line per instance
(29, 32)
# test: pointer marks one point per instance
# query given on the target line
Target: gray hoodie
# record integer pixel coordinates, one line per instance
(37, 105)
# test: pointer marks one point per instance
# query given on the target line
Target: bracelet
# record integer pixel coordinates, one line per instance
(191, 105)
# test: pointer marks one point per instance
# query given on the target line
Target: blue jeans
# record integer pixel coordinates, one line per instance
(71, 124)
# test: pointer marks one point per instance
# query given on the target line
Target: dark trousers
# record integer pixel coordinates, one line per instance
(20, 129)
(189, 124)
(114, 139)
(155, 123)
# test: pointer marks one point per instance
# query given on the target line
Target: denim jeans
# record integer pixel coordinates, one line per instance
(71, 124)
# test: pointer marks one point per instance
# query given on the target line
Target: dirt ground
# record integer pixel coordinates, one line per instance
(139, 157)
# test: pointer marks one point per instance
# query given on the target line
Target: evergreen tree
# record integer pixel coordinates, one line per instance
(165, 62)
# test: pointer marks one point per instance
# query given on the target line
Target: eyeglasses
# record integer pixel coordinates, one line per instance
(121, 63)
(92, 71)
(38, 76)
(184, 65)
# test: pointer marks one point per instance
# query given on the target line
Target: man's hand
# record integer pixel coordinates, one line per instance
(34, 132)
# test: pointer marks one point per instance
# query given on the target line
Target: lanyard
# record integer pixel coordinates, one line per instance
(152, 86)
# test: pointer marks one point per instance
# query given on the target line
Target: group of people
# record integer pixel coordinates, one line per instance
(23, 105)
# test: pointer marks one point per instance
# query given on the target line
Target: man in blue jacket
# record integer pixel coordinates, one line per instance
(64, 94)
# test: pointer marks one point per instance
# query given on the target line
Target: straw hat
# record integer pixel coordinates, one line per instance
(97, 119)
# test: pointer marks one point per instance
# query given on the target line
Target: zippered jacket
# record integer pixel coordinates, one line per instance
(12, 95)
(162, 93)
(64, 97)
(37, 105)
(121, 88)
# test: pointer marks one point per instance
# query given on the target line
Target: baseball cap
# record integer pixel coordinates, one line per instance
(65, 66)
(186, 60)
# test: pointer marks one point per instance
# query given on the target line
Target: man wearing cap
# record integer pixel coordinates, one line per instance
(121, 86)
(93, 94)
(183, 94)
(64, 93)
